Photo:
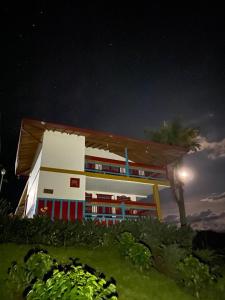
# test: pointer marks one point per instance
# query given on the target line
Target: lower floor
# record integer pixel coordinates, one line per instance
(104, 211)
(97, 198)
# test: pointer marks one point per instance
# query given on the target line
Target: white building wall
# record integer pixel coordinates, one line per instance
(33, 186)
(60, 184)
(62, 151)
(103, 153)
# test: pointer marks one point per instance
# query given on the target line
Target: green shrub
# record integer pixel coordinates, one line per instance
(205, 255)
(166, 259)
(126, 241)
(194, 275)
(213, 259)
(42, 230)
(72, 282)
(41, 277)
(154, 234)
(36, 263)
(138, 253)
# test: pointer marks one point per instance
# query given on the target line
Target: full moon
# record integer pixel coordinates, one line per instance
(185, 174)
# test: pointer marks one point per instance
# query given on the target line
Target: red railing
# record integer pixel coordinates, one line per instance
(117, 167)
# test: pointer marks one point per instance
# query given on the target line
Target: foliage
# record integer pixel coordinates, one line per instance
(166, 259)
(36, 263)
(126, 241)
(132, 283)
(41, 277)
(213, 259)
(138, 253)
(205, 255)
(174, 133)
(41, 230)
(73, 282)
(155, 234)
(194, 275)
(4, 207)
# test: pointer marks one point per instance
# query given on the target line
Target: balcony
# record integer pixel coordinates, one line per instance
(102, 209)
(120, 168)
(107, 211)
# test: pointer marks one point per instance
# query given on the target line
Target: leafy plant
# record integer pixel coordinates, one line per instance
(36, 263)
(41, 277)
(194, 275)
(73, 282)
(138, 253)
(166, 259)
(42, 230)
(126, 241)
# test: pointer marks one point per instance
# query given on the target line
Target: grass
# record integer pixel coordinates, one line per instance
(132, 284)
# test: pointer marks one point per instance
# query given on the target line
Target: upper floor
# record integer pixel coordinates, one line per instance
(68, 148)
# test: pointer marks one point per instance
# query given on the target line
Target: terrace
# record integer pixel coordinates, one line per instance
(130, 169)
(110, 211)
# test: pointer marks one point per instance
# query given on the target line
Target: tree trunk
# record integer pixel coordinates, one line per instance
(181, 205)
(177, 190)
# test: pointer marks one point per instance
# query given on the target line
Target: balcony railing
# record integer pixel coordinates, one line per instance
(101, 210)
(113, 211)
(114, 167)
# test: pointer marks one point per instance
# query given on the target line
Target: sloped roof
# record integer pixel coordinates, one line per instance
(142, 151)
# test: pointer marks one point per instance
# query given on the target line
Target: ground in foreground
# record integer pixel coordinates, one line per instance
(132, 284)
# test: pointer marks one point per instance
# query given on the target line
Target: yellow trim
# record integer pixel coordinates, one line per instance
(57, 170)
(157, 201)
(106, 176)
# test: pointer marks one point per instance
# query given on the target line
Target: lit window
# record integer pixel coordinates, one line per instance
(94, 209)
(122, 170)
(141, 172)
(98, 167)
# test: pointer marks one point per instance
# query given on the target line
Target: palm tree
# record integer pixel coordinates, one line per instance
(174, 133)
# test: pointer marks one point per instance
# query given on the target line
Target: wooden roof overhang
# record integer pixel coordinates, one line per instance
(142, 151)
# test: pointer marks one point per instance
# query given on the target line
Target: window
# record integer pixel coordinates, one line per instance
(98, 167)
(141, 172)
(122, 170)
(48, 191)
(75, 182)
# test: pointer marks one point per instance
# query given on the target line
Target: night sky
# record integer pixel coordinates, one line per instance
(123, 71)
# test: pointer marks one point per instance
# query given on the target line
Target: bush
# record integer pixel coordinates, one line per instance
(41, 277)
(213, 259)
(154, 234)
(126, 241)
(166, 259)
(41, 230)
(194, 275)
(138, 253)
(36, 263)
(72, 282)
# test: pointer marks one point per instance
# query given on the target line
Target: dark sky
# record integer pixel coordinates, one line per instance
(118, 70)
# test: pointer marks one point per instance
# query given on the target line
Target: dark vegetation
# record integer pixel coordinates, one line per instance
(145, 243)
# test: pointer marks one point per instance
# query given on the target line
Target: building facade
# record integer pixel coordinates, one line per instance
(76, 174)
